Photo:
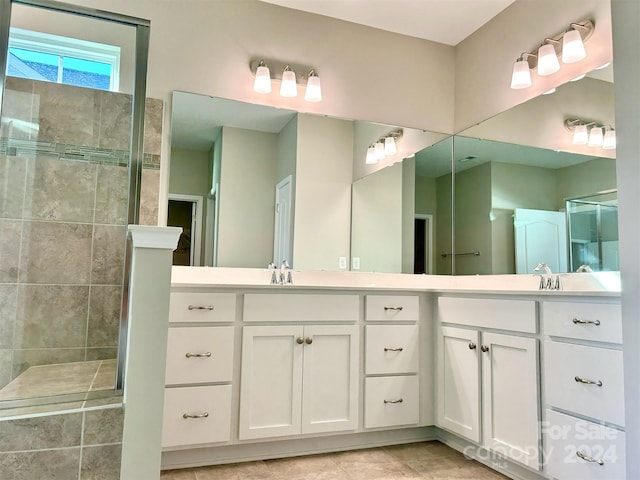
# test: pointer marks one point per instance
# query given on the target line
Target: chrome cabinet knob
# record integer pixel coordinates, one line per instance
(484, 348)
(299, 340)
(308, 340)
(472, 346)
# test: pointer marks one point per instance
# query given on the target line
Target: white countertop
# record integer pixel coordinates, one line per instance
(596, 283)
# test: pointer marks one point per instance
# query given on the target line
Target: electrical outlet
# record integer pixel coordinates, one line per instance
(342, 263)
(355, 263)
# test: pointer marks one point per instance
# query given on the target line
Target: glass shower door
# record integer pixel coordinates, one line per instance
(67, 172)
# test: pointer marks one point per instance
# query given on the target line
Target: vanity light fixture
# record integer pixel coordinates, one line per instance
(609, 141)
(262, 83)
(569, 45)
(288, 87)
(550, 91)
(289, 76)
(592, 134)
(384, 147)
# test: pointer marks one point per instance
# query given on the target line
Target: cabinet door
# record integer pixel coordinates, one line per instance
(330, 384)
(271, 381)
(458, 380)
(510, 413)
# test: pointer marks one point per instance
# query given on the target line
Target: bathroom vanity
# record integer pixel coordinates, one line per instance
(528, 382)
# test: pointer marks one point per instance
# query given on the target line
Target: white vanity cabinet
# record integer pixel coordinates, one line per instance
(487, 381)
(199, 368)
(299, 378)
(392, 387)
(583, 390)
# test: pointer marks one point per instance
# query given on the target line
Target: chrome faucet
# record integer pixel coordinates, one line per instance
(285, 274)
(547, 281)
(583, 268)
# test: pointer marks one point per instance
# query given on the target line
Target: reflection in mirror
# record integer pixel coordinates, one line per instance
(400, 214)
(514, 175)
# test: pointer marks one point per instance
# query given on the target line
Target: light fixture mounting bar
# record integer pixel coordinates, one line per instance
(585, 27)
(276, 67)
(571, 123)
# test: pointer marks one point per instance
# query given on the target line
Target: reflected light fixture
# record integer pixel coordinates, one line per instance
(262, 83)
(550, 91)
(595, 137)
(371, 156)
(569, 45)
(288, 87)
(572, 46)
(314, 91)
(547, 59)
(521, 75)
(591, 134)
(609, 141)
(383, 147)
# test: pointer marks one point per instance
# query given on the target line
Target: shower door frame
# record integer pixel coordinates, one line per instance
(142, 27)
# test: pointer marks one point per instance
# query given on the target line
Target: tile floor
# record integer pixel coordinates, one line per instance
(426, 460)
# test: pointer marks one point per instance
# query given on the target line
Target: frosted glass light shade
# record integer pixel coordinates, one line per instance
(314, 91)
(595, 137)
(580, 135)
(572, 47)
(371, 156)
(262, 83)
(609, 142)
(547, 60)
(288, 87)
(379, 150)
(521, 76)
(390, 146)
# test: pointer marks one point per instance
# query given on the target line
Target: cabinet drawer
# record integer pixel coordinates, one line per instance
(199, 355)
(391, 349)
(292, 307)
(391, 307)
(600, 322)
(566, 438)
(391, 401)
(514, 315)
(202, 307)
(207, 411)
(565, 362)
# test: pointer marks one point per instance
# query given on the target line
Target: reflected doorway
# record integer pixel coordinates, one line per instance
(185, 211)
(423, 244)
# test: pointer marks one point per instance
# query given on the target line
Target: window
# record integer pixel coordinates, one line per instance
(40, 56)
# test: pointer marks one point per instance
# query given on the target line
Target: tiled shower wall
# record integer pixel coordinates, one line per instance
(63, 208)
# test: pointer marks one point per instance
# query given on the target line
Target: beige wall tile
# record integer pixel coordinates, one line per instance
(55, 253)
(108, 255)
(103, 426)
(53, 316)
(112, 191)
(153, 126)
(45, 464)
(10, 236)
(62, 190)
(115, 120)
(104, 315)
(8, 303)
(13, 171)
(101, 463)
(53, 431)
(149, 197)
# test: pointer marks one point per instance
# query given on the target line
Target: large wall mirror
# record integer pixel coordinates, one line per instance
(526, 194)
(252, 184)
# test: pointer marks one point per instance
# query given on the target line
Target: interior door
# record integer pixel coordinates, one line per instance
(282, 228)
(540, 237)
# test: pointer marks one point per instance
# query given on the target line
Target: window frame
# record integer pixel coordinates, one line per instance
(69, 47)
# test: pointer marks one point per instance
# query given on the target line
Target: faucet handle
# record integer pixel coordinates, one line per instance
(541, 286)
(289, 278)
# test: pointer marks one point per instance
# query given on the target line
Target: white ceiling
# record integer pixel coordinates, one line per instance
(442, 21)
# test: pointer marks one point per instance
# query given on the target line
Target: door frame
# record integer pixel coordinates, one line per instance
(286, 242)
(428, 238)
(196, 236)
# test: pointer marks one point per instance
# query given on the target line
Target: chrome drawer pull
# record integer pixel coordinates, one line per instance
(388, 349)
(394, 308)
(198, 307)
(588, 382)
(197, 355)
(399, 400)
(579, 321)
(202, 415)
(586, 458)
